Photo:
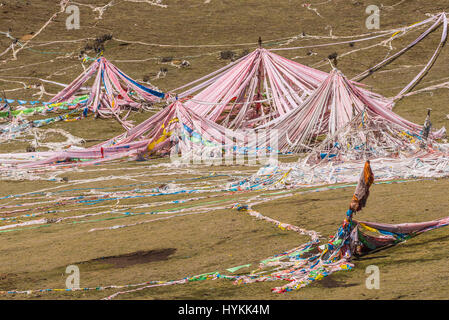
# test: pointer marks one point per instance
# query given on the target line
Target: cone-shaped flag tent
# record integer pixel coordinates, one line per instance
(174, 130)
(178, 125)
(370, 137)
(255, 89)
(332, 106)
(111, 90)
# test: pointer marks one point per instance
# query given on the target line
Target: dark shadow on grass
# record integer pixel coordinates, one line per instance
(130, 259)
(420, 243)
(368, 258)
(330, 283)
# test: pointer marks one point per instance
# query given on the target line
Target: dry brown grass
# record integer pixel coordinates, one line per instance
(219, 239)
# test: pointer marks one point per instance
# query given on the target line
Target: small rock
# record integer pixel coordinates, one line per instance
(227, 55)
(166, 59)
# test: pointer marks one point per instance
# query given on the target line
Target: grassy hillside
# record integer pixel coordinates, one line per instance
(147, 38)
